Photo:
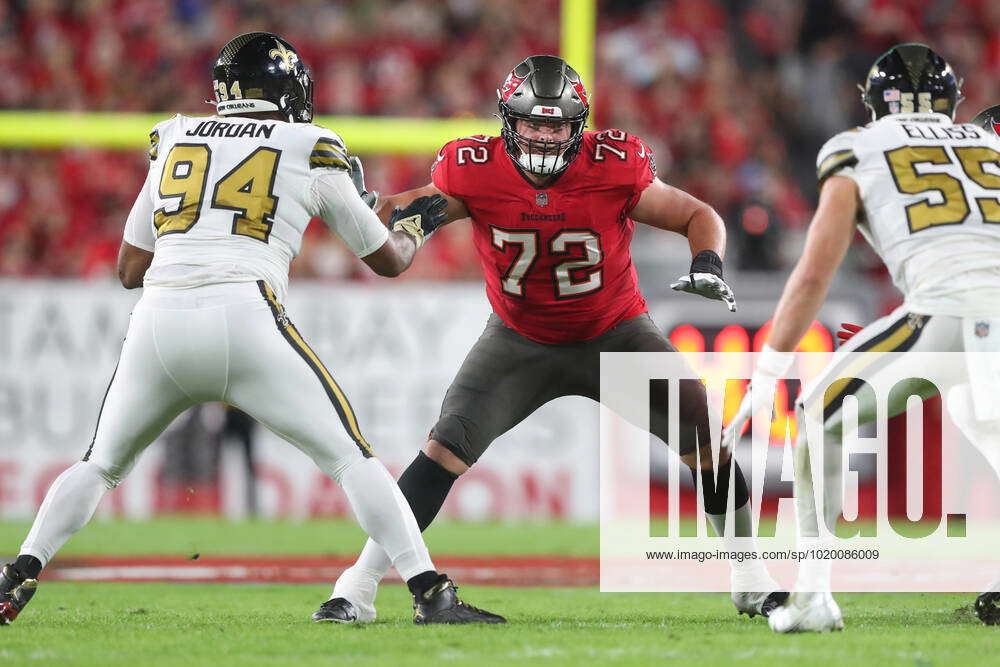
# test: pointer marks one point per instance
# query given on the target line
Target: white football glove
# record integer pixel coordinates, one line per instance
(771, 367)
(707, 285)
(358, 176)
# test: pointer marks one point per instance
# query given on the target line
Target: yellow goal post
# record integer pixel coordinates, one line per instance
(386, 135)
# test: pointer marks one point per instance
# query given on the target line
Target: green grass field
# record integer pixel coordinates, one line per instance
(219, 624)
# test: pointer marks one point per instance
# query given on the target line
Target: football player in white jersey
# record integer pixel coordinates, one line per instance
(210, 239)
(924, 192)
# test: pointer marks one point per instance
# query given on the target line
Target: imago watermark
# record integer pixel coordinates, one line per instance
(885, 464)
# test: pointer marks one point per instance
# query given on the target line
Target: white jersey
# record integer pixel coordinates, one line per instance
(930, 191)
(228, 200)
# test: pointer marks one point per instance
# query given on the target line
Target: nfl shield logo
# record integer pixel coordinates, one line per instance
(982, 329)
(541, 199)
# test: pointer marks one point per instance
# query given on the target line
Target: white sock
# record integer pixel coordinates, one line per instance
(68, 506)
(359, 586)
(814, 573)
(741, 539)
(385, 515)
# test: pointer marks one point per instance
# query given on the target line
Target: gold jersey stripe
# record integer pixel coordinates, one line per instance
(333, 390)
(834, 163)
(333, 152)
(329, 145)
(897, 336)
(154, 144)
(328, 153)
(328, 162)
(331, 141)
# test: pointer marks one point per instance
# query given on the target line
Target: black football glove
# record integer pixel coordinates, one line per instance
(705, 279)
(420, 218)
(358, 176)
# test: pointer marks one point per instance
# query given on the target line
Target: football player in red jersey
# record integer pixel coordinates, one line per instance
(553, 209)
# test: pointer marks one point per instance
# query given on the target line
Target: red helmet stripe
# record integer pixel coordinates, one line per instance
(510, 85)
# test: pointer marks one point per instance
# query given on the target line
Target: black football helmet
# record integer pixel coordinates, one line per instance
(911, 78)
(543, 88)
(259, 71)
(988, 119)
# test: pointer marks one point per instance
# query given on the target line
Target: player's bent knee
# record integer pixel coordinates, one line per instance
(702, 458)
(445, 458)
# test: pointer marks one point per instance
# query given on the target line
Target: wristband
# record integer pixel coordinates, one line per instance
(772, 363)
(410, 225)
(707, 261)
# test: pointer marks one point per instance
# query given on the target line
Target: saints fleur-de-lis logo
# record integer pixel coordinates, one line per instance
(288, 58)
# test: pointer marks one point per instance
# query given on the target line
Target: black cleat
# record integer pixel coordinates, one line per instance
(754, 603)
(337, 610)
(988, 608)
(772, 602)
(15, 593)
(440, 604)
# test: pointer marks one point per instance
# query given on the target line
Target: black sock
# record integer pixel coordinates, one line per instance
(717, 497)
(29, 566)
(422, 582)
(425, 485)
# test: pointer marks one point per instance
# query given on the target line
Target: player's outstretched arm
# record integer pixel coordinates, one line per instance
(666, 207)
(384, 206)
(830, 234)
(410, 227)
(455, 211)
(132, 265)
(336, 198)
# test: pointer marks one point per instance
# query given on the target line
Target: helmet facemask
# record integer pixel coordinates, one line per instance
(540, 156)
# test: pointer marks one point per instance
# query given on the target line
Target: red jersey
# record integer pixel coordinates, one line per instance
(557, 260)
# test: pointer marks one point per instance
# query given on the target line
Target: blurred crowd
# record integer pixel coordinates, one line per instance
(734, 96)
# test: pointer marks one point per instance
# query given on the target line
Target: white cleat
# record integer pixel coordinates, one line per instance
(807, 612)
(755, 592)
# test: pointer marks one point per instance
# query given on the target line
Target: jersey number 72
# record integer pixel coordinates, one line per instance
(566, 285)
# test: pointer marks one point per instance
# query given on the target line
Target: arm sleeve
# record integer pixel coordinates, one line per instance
(333, 198)
(139, 225)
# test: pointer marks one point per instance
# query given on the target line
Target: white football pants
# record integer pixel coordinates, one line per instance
(900, 331)
(231, 343)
